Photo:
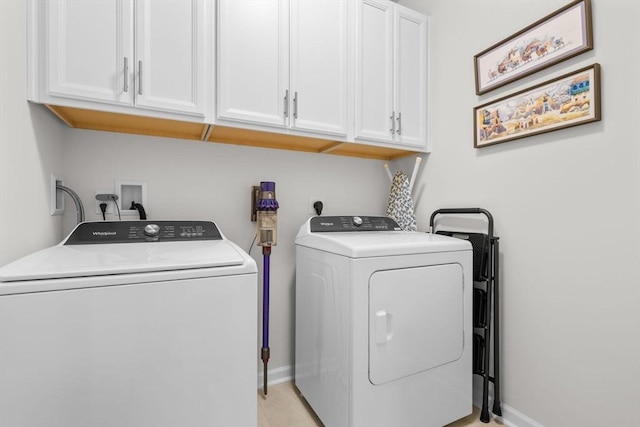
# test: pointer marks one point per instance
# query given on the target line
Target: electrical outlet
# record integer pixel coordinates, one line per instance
(311, 210)
(110, 204)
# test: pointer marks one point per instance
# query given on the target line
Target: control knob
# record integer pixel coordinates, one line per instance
(152, 230)
(357, 221)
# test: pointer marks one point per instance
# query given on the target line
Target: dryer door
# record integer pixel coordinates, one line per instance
(415, 320)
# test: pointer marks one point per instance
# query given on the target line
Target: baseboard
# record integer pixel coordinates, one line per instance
(276, 376)
(510, 416)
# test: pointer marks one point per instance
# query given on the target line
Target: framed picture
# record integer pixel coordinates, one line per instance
(569, 100)
(565, 33)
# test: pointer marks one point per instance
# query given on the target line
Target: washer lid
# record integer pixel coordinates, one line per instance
(371, 243)
(103, 257)
(118, 258)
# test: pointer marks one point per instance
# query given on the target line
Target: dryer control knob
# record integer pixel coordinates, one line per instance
(152, 230)
(357, 221)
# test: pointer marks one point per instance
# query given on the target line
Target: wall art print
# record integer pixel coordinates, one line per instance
(565, 33)
(569, 100)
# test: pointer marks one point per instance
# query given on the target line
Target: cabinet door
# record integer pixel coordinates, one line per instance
(319, 49)
(411, 77)
(253, 60)
(90, 50)
(170, 55)
(374, 71)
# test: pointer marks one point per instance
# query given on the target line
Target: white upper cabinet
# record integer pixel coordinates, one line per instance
(374, 71)
(171, 50)
(89, 49)
(411, 81)
(391, 74)
(146, 54)
(253, 61)
(319, 65)
(284, 63)
(333, 71)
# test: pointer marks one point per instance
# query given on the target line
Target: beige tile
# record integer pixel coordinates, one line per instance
(473, 420)
(283, 407)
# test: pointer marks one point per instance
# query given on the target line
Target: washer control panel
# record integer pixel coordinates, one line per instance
(89, 233)
(324, 224)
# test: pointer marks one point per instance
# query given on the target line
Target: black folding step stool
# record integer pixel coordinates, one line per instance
(485, 274)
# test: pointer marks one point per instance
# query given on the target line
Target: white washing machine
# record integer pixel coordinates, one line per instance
(130, 324)
(383, 323)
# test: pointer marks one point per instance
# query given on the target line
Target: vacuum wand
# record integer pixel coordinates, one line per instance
(267, 220)
(265, 353)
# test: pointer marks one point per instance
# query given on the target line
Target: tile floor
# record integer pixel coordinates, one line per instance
(283, 407)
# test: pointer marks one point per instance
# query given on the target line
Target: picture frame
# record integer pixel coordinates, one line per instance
(563, 34)
(569, 100)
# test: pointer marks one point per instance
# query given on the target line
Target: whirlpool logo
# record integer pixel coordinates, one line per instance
(104, 233)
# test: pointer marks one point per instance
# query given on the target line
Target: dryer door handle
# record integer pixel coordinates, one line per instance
(383, 326)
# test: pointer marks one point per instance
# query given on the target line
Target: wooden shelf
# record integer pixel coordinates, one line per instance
(125, 123)
(254, 138)
(140, 125)
(356, 149)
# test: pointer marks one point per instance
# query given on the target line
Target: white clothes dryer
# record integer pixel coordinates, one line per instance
(383, 323)
(130, 324)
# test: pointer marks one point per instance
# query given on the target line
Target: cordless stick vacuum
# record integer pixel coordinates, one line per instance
(267, 221)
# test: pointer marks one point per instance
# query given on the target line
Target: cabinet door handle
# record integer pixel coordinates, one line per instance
(286, 103)
(295, 105)
(126, 74)
(393, 122)
(399, 123)
(139, 77)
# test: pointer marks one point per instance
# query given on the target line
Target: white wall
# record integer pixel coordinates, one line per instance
(566, 206)
(198, 180)
(30, 147)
